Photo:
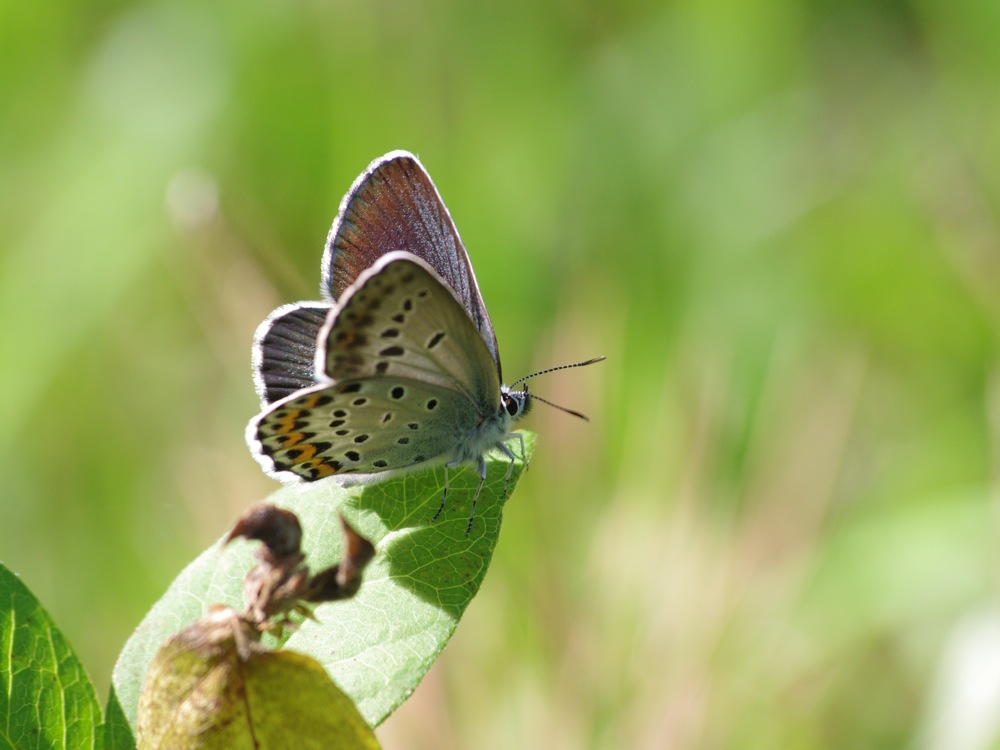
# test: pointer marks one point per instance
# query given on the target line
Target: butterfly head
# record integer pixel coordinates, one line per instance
(514, 404)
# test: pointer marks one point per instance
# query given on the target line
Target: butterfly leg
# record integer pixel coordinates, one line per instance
(510, 455)
(520, 439)
(444, 496)
(475, 497)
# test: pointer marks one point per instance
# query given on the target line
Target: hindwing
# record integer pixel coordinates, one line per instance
(284, 350)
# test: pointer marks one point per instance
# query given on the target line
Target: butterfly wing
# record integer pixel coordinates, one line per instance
(408, 381)
(359, 428)
(401, 320)
(284, 350)
(394, 206)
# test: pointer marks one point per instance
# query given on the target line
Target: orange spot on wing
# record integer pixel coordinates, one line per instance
(322, 468)
(286, 423)
(291, 440)
(306, 453)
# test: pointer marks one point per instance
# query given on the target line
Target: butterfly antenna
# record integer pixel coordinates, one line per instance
(584, 417)
(575, 413)
(553, 369)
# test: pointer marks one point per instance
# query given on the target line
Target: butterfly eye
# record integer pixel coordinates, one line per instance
(515, 404)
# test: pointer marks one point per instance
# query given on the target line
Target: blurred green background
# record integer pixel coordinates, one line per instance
(779, 221)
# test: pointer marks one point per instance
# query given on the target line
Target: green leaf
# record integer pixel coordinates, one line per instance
(47, 701)
(116, 732)
(378, 645)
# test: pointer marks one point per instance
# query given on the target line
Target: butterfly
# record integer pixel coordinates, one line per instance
(397, 368)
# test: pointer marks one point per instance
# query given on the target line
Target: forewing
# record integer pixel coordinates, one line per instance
(284, 350)
(400, 320)
(360, 427)
(393, 206)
